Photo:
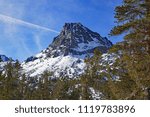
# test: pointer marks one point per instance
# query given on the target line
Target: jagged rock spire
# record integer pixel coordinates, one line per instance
(76, 39)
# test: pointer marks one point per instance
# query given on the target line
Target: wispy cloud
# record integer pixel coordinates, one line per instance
(8, 19)
(20, 37)
(1, 51)
(38, 42)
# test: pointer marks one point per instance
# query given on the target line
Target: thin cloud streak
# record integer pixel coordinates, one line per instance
(7, 19)
(38, 43)
(1, 51)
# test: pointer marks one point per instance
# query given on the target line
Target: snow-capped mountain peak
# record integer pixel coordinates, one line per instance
(65, 55)
(3, 61)
(4, 58)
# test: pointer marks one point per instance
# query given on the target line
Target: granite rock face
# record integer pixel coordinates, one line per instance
(75, 39)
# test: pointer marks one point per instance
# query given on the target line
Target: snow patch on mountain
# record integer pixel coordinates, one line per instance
(2, 65)
(108, 59)
(89, 45)
(60, 66)
(3, 61)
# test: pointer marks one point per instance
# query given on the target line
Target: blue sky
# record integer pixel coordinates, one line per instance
(20, 38)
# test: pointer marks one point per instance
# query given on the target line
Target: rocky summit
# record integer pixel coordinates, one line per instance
(3, 61)
(4, 58)
(65, 55)
(75, 39)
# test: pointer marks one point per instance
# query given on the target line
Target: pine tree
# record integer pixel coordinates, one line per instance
(44, 87)
(60, 89)
(75, 91)
(10, 83)
(22, 88)
(2, 83)
(133, 19)
(91, 78)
